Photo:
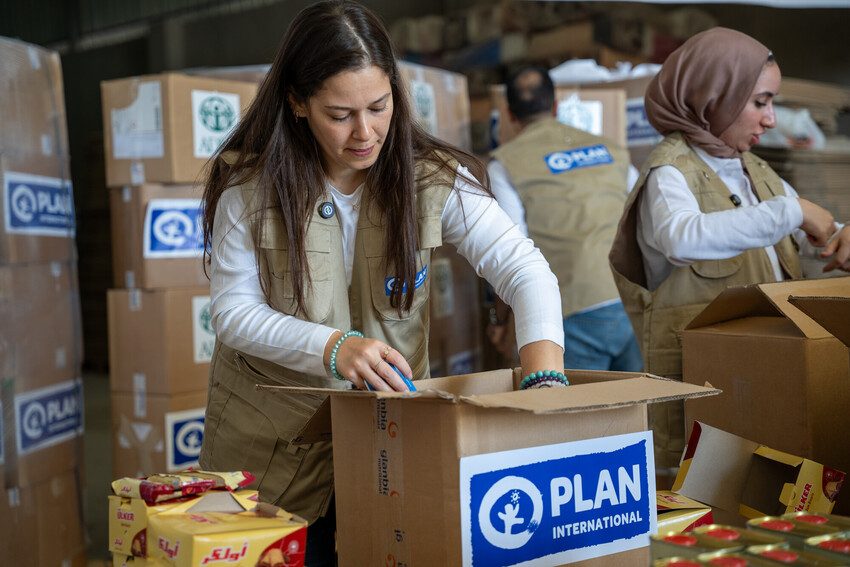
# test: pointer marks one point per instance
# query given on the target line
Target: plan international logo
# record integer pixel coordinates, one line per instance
(559, 162)
(559, 503)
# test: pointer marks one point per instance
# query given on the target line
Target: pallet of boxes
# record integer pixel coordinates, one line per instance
(41, 395)
(159, 132)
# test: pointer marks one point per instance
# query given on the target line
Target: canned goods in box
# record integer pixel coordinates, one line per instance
(677, 562)
(840, 522)
(795, 532)
(784, 555)
(833, 546)
(734, 535)
(689, 545)
(722, 559)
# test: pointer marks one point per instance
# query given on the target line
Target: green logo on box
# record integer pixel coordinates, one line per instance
(206, 319)
(217, 114)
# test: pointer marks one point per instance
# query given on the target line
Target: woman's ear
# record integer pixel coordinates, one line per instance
(299, 110)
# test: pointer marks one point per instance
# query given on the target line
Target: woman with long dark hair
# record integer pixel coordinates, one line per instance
(322, 212)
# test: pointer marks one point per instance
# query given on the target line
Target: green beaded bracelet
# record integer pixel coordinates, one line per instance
(550, 375)
(335, 349)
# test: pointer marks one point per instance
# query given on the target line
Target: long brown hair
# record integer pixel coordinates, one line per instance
(282, 156)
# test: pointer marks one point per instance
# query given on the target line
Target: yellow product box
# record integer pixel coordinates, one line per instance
(129, 517)
(222, 528)
(121, 560)
(740, 478)
(677, 513)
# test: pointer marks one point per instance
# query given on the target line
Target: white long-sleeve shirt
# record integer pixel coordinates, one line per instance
(672, 231)
(509, 199)
(471, 220)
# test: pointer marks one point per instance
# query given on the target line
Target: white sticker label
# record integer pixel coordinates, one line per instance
(137, 129)
(582, 114)
(184, 433)
(140, 395)
(47, 144)
(214, 116)
(442, 288)
(134, 300)
(203, 334)
(137, 173)
(424, 105)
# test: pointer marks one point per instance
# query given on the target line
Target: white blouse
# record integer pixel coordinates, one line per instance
(471, 220)
(672, 231)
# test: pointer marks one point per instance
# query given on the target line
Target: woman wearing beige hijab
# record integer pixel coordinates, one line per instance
(706, 213)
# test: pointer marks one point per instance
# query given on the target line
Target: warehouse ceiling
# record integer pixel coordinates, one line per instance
(78, 24)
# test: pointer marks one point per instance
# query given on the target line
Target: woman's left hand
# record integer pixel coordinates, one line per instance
(838, 250)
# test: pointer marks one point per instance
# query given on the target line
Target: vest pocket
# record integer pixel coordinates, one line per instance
(382, 286)
(318, 296)
(714, 269)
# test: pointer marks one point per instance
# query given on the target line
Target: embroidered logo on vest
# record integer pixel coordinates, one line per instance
(421, 275)
(559, 162)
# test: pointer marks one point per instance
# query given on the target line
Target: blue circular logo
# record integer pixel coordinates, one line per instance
(326, 210)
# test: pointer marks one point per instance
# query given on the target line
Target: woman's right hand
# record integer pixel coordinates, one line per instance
(818, 223)
(368, 360)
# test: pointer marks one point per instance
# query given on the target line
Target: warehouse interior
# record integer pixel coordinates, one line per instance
(477, 44)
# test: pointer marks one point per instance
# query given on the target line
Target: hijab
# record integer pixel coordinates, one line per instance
(704, 85)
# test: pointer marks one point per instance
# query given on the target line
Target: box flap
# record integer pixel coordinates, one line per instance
(832, 313)
(771, 299)
(318, 427)
(595, 396)
(715, 467)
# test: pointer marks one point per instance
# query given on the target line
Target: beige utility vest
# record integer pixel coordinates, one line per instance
(250, 430)
(659, 316)
(573, 187)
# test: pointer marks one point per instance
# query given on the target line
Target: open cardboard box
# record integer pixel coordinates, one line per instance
(466, 469)
(226, 527)
(785, 379)
(743, 478)
(831, 313)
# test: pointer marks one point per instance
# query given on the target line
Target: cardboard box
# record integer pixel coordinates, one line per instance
(454, 343)
(568, 39)
(157, 236)
(677, 513)
(42, 430)
(155, 433)
(43, 524)
(37, 209)
(32, 101)
(160, 342)
(41, 335)
(601, 112)
(129, 518)
(164, 128)
(831, 313)
(746, 479)
(785, 379)
(440, 102)
(416, 473)
(221, 527)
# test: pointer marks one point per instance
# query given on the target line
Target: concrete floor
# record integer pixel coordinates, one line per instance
(98, 465)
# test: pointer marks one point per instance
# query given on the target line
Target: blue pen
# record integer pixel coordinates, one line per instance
(407, 381)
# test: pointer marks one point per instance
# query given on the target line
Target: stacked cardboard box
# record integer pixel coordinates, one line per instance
(159, 132)
(41, 396)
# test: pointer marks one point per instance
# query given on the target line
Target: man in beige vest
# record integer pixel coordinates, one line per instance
(566, 188)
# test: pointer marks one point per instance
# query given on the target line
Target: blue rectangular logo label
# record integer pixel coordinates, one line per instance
(639, 132)
(184, 433)
(589, 156)
(49, 416)
(38, 205)
(173, 229)
(421, 276)
(558, 503)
